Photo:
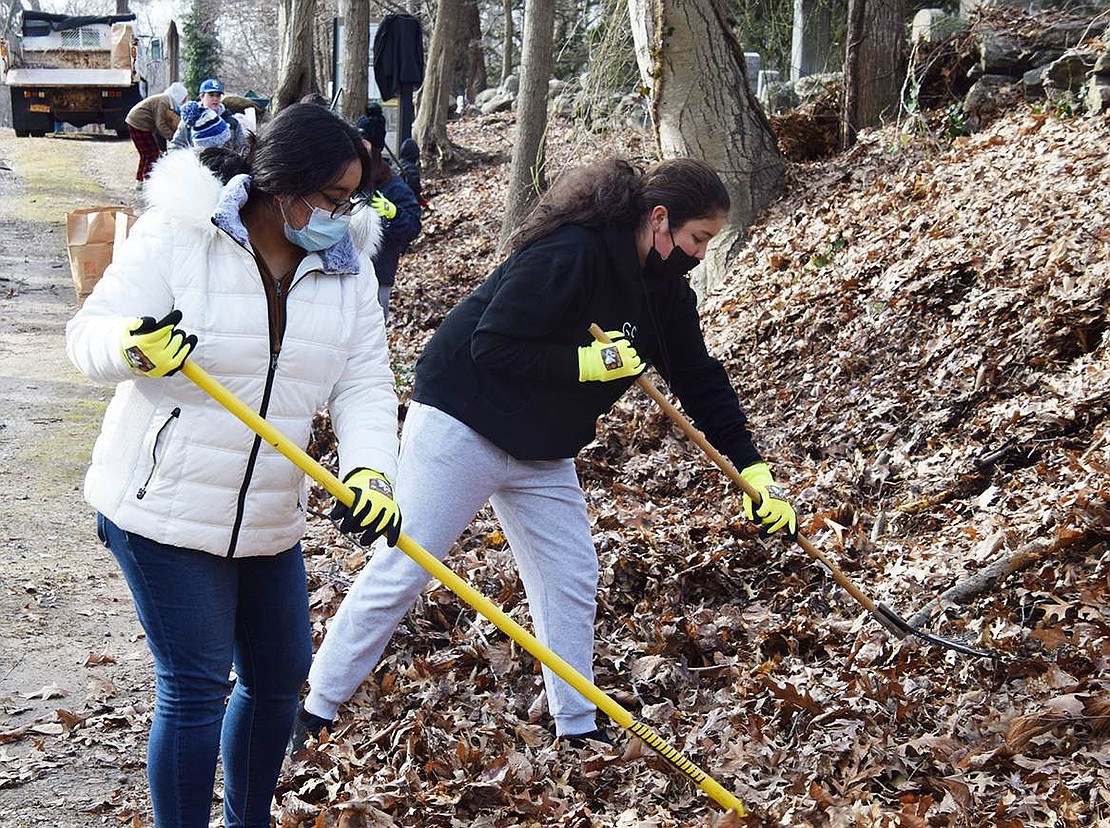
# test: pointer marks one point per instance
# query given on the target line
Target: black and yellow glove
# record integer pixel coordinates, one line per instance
(374, 512)
(156, 349)
(774, 514)
(604, 361)
(386, 208)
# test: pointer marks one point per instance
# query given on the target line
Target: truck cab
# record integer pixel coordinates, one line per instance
(71, 69)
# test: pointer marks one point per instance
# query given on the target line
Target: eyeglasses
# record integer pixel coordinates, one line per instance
(345, 208)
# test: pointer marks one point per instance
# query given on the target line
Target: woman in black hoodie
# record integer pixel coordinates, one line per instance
(509, 390)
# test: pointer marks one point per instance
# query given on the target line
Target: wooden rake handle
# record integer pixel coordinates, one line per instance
(734, 475)
(882, 613)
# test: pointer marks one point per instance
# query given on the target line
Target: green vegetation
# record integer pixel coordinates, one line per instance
(200, 45)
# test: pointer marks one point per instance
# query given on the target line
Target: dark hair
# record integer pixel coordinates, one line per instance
(302, 150)
(380, 170)
(371, 126)
(410, 151)
(316, 98)
(614, 192)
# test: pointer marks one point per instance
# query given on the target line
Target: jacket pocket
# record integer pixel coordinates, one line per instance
(158, 449)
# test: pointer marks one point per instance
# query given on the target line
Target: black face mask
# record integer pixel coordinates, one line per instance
(678, 264)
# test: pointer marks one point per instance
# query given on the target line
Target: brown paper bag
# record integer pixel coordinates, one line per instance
(121, 37)
(90, 236)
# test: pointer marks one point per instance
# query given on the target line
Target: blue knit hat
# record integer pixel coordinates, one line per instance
(190, 111)
(210, 130)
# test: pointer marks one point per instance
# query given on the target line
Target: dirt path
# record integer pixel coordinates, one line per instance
(74, 671)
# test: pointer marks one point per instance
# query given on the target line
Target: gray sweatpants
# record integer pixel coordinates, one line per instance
(446, 474)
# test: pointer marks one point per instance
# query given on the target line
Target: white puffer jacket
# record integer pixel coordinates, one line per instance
(171, 464)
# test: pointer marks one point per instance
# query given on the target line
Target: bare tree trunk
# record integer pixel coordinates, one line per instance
(356, 57)
(323, 38)
(295, 60)
(173, 52)
(703, 108)
(476, 79)
(507, 42)
(526, 173)
(849, 116)
(430, 128)
(874, 64)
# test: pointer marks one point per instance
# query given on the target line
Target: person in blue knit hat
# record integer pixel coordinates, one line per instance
(210, 130)
(197, 121)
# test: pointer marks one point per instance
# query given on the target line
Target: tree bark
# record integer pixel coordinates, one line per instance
(356, 57)
(476, 78)
(507, 41)
(874, 64)
(430, 127)
(526, 173)
(849, 115)
(701, 107)
(295, 61)
(323, 36)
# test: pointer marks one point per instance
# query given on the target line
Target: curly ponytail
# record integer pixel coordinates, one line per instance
(614, 192)
(596, 195)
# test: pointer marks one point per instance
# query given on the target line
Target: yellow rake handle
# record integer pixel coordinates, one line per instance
(475, 599)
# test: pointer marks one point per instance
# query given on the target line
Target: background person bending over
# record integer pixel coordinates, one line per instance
(260, 277)
(508, 391)
(152, 122)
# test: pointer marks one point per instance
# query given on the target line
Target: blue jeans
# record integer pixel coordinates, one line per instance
(204, 614)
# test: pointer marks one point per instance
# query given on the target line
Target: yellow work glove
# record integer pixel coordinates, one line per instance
(604, 361)
(774, 513)
(156, 349)
(386, 208)
(374, 512)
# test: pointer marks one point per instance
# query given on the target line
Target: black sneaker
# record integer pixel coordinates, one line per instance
(304, 725)
(596, 735)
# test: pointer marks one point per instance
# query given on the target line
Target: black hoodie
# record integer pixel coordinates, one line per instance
(505, 360)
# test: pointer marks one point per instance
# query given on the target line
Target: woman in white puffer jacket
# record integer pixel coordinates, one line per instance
(258, 280)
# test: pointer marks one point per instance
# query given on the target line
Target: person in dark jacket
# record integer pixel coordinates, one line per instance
(395, 203)
(408, 161)
(508, 391)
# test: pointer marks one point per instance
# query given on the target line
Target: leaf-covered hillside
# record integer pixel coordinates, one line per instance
(919, 335)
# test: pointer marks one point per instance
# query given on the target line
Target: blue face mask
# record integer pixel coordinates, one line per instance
(322, 231)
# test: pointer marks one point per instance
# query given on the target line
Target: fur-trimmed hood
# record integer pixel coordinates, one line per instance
(182, 188)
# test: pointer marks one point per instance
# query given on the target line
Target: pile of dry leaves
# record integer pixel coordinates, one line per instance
(919, 335)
